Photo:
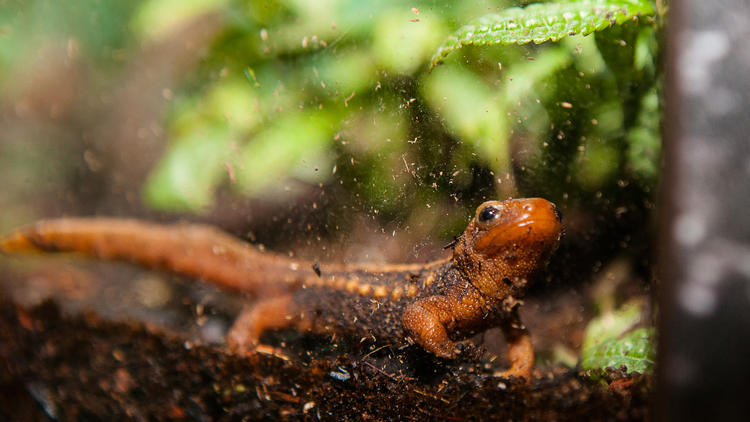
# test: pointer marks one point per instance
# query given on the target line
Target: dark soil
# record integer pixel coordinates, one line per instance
(83, 367)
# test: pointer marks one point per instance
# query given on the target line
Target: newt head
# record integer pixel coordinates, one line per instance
(506, 243)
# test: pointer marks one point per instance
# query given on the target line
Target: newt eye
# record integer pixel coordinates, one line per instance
(557, 212)
(488, 214)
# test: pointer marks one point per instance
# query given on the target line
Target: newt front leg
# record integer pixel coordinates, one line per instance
(429, 321)
(520, 350)
(426, 321)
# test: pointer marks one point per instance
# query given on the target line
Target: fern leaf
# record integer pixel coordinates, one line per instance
(543, 22)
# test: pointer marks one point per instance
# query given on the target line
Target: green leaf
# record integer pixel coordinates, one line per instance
(187, 176)
(644, 139)
(635, 350)
(543, 22)
(471, 110)
(608, 342)
(611, 325)
(295, 145)
(403, 46)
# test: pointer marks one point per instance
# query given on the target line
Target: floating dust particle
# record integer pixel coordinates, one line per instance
(346, 100)
(92, 161)
(230, 172)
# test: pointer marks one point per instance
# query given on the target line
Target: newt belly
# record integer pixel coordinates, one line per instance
(504, 246)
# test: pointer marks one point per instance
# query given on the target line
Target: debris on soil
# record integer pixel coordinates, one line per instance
(82, 367)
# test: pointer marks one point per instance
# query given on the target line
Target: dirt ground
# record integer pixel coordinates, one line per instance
(83, 367)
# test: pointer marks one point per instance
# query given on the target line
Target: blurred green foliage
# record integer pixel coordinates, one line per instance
(98, 28)
(340, 93)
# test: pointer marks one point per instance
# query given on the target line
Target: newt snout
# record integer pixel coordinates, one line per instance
(522, 221)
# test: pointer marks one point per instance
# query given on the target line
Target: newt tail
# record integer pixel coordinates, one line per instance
(190, 249)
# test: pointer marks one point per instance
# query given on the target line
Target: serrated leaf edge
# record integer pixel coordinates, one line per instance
(617, 13)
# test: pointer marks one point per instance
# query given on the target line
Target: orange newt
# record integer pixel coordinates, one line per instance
(504, 246)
